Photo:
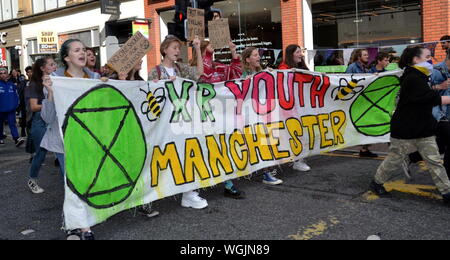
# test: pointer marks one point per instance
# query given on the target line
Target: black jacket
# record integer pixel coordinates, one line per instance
(413, 118)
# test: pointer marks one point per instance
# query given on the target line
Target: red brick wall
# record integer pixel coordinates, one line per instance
(292, 22)
(292, 26)
(435, 19)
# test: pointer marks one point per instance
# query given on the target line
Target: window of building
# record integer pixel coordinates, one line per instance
(254, 23)
(40, 6)
(9, 9)
(361, 23)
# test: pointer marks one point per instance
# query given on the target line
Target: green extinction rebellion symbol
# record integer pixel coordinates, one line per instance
(372, 110)
(105, 147)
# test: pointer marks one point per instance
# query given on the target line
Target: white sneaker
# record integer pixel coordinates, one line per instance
(34, 187)
(301, 166)
(191, 199)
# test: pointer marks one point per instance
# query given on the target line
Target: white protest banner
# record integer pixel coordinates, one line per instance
(130, 143)
(219, 33)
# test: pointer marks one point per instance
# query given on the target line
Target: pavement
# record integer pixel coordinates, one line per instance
(331, 202)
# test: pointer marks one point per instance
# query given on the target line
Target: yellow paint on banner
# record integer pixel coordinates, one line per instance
(315, 230)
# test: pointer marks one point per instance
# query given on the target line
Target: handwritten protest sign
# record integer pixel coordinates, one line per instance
(130, 54)
(196, 23)
(219, 33)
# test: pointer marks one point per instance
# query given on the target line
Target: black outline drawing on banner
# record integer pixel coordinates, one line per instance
(154, 103)
(348, 89)
(106, 149)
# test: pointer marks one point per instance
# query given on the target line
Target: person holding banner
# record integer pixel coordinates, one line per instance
(413, 124)
(170, 69)
(294, 58)
(73, 56)
(251, 65)
(34, 96)
(359, 63)
(215, 72)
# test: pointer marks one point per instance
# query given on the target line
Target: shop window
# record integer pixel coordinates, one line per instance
(254, 23)
(8, 9)
(361, 23)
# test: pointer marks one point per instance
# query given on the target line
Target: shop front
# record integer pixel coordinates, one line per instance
(10, 45)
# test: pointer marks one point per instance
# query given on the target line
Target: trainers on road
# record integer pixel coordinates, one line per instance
(34, 187)
(301, 166)
(147, 210)
(19, 141)
(191, 199)
(379, 190)
(234, 193)
(367, 154)
(269, 178)
(77, 234)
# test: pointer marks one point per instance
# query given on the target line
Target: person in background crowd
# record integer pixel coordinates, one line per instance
(9, 101)
(92, 60)
(359, 64)
(381, 62)
(34, 95)
(413, 124)
(445, 42)
(295, 59)
(251, 65)
(170, 69)
(73, 56)
(215, 72)
(22, 109)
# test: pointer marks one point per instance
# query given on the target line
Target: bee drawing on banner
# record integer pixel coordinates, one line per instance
(347, 90)
(154, 103)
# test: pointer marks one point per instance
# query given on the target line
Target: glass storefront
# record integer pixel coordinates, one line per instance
(362, 23)
(252, 23)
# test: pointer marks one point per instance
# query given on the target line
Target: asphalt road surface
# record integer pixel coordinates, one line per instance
(329, 203)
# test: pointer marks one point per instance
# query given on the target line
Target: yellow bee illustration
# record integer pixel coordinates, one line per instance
(151, 108)
(347, 90)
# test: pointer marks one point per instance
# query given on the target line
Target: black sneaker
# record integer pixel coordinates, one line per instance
(367, 154)
(147, 211)
(19, 142)
(77, 234)
(446, 198)
(234, 193)
(379, 190)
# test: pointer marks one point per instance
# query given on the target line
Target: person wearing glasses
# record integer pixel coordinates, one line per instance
(9, 101)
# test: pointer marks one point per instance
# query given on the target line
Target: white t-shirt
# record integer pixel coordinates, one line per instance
(170, 71)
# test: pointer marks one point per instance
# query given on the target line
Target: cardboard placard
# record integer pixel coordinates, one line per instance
(131, 53)
(47, 42)
(195, 23)
(219, 33)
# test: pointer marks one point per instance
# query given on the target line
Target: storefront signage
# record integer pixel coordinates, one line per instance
(219, 33)
(130, 54)
(141, 27)
(3, 37)
(110, 7)
(47, 42)
(195, 23)
(3, 61)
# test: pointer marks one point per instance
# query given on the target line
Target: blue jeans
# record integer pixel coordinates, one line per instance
(11, 118)
(38, 128)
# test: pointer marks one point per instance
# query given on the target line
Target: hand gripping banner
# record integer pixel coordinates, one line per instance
(128, 143)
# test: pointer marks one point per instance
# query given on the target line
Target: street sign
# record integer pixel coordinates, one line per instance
(110, 7)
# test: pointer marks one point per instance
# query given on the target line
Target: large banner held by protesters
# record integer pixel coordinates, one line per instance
(130, 143)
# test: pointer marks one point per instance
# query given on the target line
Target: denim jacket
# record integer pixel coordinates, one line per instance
(440, 74)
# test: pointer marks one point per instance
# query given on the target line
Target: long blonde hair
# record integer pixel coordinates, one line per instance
(245, 55)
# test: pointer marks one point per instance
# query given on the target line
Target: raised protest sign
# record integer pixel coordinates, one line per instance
(219, 33)
(130, 143)
(195, 23)
(131, 53)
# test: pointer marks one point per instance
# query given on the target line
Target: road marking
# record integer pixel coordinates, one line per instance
(315, 230)
(401, 186)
